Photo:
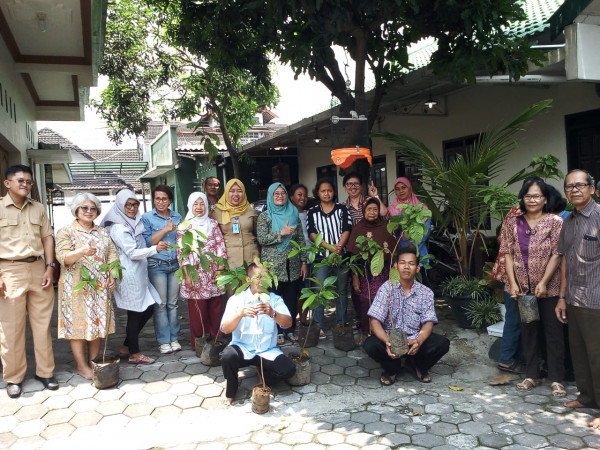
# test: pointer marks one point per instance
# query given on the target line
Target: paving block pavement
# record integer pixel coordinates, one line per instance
(175, 403)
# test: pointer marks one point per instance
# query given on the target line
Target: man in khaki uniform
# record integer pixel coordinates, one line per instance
(25, 281)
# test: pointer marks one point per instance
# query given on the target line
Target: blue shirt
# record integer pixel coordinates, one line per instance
(154, 222)
(255, 335)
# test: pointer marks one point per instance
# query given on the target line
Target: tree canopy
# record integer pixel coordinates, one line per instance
(473, 36)
(152, 75)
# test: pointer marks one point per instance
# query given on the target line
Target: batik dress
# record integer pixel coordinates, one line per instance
(88, 313)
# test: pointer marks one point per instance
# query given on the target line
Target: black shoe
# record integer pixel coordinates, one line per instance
(13, 390)
(49, 383)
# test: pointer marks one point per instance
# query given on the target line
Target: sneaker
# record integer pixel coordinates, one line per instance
(166, 348)
(175, 346)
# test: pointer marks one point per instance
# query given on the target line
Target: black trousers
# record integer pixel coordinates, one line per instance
(135, 322)
(232, 360)
(288, 291)
(429, 354)
(555, 343)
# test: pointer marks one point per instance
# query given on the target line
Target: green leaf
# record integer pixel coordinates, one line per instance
(329, 281)
(377, 263)
(394, 276)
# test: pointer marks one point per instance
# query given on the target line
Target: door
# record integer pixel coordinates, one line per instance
(583, 142)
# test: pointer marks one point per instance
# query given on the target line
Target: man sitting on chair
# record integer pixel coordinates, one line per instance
(411, 306)
(253, 324)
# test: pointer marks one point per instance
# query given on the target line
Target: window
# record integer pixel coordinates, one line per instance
(379, 177)
(330, 172)
(407, 169)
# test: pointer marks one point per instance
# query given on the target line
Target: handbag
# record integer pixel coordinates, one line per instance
(528, 305)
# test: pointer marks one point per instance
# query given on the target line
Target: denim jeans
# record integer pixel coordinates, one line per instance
(162, 277)
(510, 347)
(341, 301)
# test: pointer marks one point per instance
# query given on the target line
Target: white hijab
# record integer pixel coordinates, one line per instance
(200, 223)
(116, 214)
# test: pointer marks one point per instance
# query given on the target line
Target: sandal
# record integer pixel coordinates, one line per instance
(516, 367)
(527, 384)
(387, 380)
(280, 339)
(558, 390)
(293, 337)
(322, 334)
(422, 377)
(142, 359)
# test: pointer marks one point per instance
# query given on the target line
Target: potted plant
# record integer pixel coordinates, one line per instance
(458, 192)
(105, 369)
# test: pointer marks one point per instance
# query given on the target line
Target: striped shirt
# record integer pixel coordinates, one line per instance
(331, 225)
(579, 243)
(356, 214)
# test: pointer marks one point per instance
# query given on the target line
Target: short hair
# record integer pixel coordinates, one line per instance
(164, 188)
(251, 267)
(295, 187)
(210, 178)
(588, 177)
(13, 170)
(352, 175)
(556, 202)
(407, 249)
(543, 187)
(82, 197)
(321, 181)
(598, 186)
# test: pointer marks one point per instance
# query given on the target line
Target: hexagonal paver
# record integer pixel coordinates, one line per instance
(84, 390)
(153, 375)
(297, 437)
(177, 377)
(9, 408)
(380, 428)
(462, 441)
(488, 418)
(29, 428)
(530, 440)
(172, 367)
(443, 429)
(87, 404)
(135, 397)
(85, 419)
(410, 428)
(212, 403)
(455, 417)
(356, 371)
(343, 380)
(7, 439)
(329, 389)
(543, 429)
(508, 428)
(210, 390)
(395, 418)
(571, 429)
(317, 427)
(129, 373)
(183, 388)
(536, 399)
(60, 430)
(8, 423)
(58, 416)
(469, 408)
(332, 369)
(562, 441)
(395, 440)
(162, 399)
(422, 399)
(474, 428)
(166, 411)
(344, 361)
(188, 401)
(138, 410)
(59, 401)
(361, 440)
(111, 407)
(495, 440)
(365, 417)
(30, 412)
(266, 437)
(425, 419)
(157, 386)
(319, 378)
(305, 389)
(439, 408)
(427, 440)
(348, 427)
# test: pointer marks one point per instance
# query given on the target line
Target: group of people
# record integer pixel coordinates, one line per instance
(540, 253)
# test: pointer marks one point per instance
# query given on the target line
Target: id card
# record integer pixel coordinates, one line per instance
(235, 228)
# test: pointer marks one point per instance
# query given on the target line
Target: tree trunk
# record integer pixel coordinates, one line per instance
(235, 162)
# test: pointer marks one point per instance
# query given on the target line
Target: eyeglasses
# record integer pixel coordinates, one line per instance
(131, 205)
(88, 209)
(534, 197)
(351, 185)
(161, 200)
(279, 194)
(579, 186)
(22, 181)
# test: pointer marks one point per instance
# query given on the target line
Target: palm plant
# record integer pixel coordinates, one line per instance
(458, 192)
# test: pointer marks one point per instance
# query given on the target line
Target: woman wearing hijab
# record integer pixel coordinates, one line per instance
(237, 220)
(374, 227)
(277, 226)
(203, 296)
(134, 293)
(404, 194)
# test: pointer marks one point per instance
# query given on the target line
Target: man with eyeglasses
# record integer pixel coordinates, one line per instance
(579, 300)
(212, 186)
(25, 281)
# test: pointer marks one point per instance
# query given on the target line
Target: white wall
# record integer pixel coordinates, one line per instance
(472, 111)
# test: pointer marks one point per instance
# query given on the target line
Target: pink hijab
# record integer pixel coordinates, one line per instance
(412, 198)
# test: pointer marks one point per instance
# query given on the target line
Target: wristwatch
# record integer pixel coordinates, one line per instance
(52, 264)
(274, 315)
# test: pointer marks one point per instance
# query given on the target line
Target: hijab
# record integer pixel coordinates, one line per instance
(412, 198)
(279, 215)
(116, 214)
(375, 230)
(228, 210)
(200, 223)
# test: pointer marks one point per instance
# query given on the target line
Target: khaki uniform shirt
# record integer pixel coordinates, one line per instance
(22, 230)
(241, 247)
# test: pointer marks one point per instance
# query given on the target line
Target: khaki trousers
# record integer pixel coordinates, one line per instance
(25, 297)
(584, 337)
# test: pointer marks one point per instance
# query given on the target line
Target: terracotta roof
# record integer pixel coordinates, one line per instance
(50, 137)
(109, 155)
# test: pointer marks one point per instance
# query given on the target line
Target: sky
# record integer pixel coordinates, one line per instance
(298, 99)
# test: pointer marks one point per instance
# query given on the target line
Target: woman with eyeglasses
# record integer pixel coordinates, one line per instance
(529, 242)
(277, 226)
(85, 316)
(160, 225)
(134, 293)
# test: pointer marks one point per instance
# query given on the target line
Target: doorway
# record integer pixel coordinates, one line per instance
(583, 141)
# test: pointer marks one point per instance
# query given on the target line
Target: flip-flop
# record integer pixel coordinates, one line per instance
(293, 337)
(515, 367)
(280, 339)
(387, 380)
(413, 369)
